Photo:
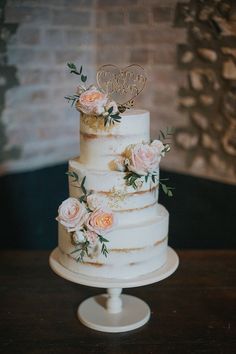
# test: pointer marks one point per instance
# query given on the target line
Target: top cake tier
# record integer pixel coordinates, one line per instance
(100, 145)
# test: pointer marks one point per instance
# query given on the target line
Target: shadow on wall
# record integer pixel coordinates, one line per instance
(8, 80)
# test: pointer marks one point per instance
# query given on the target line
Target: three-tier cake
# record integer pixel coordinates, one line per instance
(112, 225)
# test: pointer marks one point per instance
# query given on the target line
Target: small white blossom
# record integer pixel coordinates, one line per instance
(78, 236)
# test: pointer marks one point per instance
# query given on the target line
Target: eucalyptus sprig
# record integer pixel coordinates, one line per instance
(131, 178)
(74, 70)
(83, 197)
(83, 250)
(103, 241)
(74, 175)
(110, 118)
(72, 99)
(166, 189)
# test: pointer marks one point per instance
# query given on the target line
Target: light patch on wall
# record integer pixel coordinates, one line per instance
(209, 98)
(8, 79)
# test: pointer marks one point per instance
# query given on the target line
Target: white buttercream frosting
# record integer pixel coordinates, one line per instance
(138, 242)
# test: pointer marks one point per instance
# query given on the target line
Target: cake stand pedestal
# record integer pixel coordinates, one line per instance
(113, 312)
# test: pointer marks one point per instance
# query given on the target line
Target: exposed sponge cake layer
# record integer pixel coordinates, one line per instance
(100, 145)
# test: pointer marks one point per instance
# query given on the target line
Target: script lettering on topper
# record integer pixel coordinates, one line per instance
(121, 84)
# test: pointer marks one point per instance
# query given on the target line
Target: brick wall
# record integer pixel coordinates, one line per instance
(143, 32)
(36, 118)
(38, 122)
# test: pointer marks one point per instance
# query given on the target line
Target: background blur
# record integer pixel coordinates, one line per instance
(188, 50)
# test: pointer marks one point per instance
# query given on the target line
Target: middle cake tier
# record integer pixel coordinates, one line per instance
(109, 188)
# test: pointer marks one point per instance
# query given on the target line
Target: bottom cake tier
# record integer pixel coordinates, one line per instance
(133, 250)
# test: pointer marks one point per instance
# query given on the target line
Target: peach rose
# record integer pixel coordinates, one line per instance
(71, 214)
(100, 221)
(92, 101)
(144, 158)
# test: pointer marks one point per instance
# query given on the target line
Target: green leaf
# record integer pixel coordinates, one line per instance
(83, 78)
(73, 99)
(153, 179)
(76, 250)
(73, 175)
(116, 116)
(127, 176)
(80, 70)
(106, 121)
(162, 134)
(110, 110)
(102, 239)
(82, 185)
(82, 251)
(170, 194)
(146, 178)
(164, 188)
(71, 66)
(82, 198)
(104, 250)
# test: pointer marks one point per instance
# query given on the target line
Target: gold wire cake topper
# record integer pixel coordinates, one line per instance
(122, 84)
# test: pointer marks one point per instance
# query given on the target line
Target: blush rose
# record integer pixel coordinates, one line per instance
(92, 101)
(144, 158)
(71, 214)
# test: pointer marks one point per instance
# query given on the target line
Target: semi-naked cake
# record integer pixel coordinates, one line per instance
(112, 225)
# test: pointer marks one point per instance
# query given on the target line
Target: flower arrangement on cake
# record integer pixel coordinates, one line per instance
(92, 101)
(87, 219)
(141, 162)
(86, 222)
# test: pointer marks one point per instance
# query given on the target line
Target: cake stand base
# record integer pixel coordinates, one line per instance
(113, 312)
(93, 314)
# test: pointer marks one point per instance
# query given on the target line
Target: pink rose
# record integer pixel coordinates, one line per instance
(100, 221)
(143, 158)
(71, 214)
(92, 101)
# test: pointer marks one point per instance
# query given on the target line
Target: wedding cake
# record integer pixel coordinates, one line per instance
(112, 225)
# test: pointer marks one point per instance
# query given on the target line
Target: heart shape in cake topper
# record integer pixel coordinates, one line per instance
(121, 84)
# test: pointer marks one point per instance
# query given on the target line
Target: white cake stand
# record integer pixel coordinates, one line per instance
(113, 312)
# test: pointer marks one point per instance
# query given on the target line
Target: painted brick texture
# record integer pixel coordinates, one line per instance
(36, 117)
